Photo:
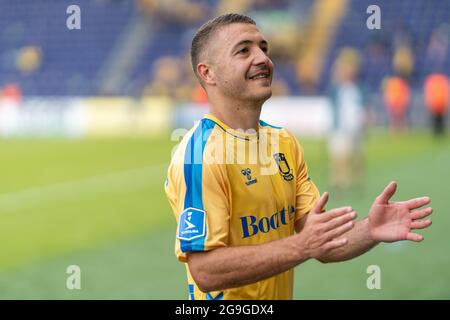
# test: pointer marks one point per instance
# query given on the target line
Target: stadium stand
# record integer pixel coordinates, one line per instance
(121, 41)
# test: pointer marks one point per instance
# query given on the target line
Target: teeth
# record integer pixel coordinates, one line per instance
(259, 76)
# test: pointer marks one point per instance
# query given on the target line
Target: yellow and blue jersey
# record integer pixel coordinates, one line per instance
(232, 188)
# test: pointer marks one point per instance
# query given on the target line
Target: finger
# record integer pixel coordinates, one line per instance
(419, 214)
(336, 222)
(320, 204)
(334, 213)
(420, 224)
(330, 245)
(414, 237)
(387, 193)
(339, 231)
(416, 202)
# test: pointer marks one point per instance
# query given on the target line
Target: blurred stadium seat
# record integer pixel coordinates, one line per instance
(71, 62)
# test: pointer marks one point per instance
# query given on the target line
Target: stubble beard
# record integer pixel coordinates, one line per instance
(245, 93)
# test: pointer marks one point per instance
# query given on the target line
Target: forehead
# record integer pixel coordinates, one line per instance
(231, 34)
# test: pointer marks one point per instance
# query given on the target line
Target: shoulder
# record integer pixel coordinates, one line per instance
(197, 136)
(196, 144)
(262, 123)
(202, 128)
(285, 135)
(275, 129)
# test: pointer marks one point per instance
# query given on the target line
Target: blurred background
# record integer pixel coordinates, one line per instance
(89, 117)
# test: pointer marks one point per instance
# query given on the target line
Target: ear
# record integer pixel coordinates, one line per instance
(206, 74)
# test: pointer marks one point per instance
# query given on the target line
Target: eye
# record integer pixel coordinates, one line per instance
(243, 50)
(265, 49)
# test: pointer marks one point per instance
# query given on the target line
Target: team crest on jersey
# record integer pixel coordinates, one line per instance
(191, 224)
(283, 166)
(247, 173)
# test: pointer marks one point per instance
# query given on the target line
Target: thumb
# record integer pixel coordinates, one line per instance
(387, 193)
(321, 202)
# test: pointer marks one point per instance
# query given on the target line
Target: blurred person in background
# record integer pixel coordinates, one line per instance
(437, 50)
(437, 96)
(173, 11)
(397, 89)
(436, 84)
(10, 101)
(11, 93)
(224, 6)
(397, 96)
(346, 139)
(166, 77)
(199, 96)
(170, 80)
(29, 59)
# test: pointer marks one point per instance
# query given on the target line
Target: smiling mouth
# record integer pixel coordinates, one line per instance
(259, 76)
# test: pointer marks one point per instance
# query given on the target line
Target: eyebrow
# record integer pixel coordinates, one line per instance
(248, 42)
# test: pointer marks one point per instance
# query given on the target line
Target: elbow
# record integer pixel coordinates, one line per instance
(324, 260)
(204, 281)
(333, 259)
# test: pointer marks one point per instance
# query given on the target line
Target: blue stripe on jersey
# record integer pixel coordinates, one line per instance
(218, 297)
(193, 165)
(265, 124)
(191, 291)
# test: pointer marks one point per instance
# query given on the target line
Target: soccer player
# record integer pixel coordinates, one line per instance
(243, 225)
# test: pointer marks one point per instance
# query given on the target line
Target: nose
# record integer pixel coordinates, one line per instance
(261, 58)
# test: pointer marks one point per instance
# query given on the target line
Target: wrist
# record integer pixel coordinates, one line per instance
(300, 252)
(371, 235)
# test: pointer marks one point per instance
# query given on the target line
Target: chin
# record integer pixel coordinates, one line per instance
(263, 96)
(260, 95)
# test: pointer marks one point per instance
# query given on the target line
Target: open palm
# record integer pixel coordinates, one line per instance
(394, 221)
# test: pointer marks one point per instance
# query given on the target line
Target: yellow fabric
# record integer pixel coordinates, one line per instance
(246, 201)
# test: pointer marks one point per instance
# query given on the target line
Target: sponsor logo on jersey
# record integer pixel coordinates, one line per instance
(191, 224)
(252, 226)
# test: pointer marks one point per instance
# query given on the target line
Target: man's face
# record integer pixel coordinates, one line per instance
(242, 68)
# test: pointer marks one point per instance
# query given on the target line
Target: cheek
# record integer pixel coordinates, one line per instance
(229, 75)
(271, 66)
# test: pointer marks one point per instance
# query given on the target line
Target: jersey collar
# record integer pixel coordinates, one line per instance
(228, 129)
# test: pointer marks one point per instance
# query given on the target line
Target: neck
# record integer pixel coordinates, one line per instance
(240, 115)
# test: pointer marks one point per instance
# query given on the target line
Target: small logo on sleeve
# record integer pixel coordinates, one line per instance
(191, 224)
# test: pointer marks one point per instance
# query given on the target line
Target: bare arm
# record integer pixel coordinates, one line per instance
(231, 267)
(329, 236)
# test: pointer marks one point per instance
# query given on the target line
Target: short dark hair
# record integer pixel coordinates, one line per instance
(204, 33)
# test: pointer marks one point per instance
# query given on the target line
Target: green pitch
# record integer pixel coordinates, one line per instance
(99, 204)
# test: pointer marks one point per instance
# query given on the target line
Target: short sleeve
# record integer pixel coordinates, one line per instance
(306, 191)
(198, 192)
